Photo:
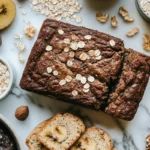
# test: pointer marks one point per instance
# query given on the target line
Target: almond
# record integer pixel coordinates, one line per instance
(22, 113)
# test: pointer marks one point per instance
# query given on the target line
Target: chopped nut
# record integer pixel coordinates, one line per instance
(128, 18)
(69, 63)
(49, 69)
(146, 44)
(68, 78)
(22, 113)
(112, 43)
(132, 32)
(81, 44)
(91, 79)
(74, 46)
(148, 142)
(62, 82)
(83, 56)
(49, 48)
(61, 32)
(74, 93)
(55, 73)
(83, 80)
(114, 21)
(87, 37)
(125, 14)
(123, 11)
(30, 31)
(102, 18)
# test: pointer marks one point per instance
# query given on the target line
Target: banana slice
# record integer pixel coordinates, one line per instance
(59, 133)
(56, 133)
(7, 13)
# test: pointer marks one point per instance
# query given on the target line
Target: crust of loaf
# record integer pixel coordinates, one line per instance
(34, 133)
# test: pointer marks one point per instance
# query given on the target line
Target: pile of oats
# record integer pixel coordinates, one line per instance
(58, 9)
(4, 78)
(145, 5)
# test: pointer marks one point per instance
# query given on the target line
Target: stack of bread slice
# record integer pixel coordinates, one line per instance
(68, 132)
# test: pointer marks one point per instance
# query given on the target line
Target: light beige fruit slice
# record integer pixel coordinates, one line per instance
(61, 132)
(7, 13)
(32, 140)
(94, 139)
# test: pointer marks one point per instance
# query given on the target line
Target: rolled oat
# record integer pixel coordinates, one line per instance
(4, 77)
(58, 9)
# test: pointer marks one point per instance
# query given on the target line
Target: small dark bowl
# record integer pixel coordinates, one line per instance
(12, 132)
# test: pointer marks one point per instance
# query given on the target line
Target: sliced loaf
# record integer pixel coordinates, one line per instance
(61, 132)
(94, 139)
(32, 141)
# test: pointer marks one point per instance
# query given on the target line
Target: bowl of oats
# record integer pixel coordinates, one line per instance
(143, 7)
(6, 78)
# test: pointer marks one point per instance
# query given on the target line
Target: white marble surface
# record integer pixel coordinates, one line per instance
(126, 135)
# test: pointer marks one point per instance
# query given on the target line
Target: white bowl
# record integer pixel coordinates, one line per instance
(12, 131)
(11, 78)
(140, 10)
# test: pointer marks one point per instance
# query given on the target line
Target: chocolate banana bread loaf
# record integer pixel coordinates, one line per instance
(88, 68)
